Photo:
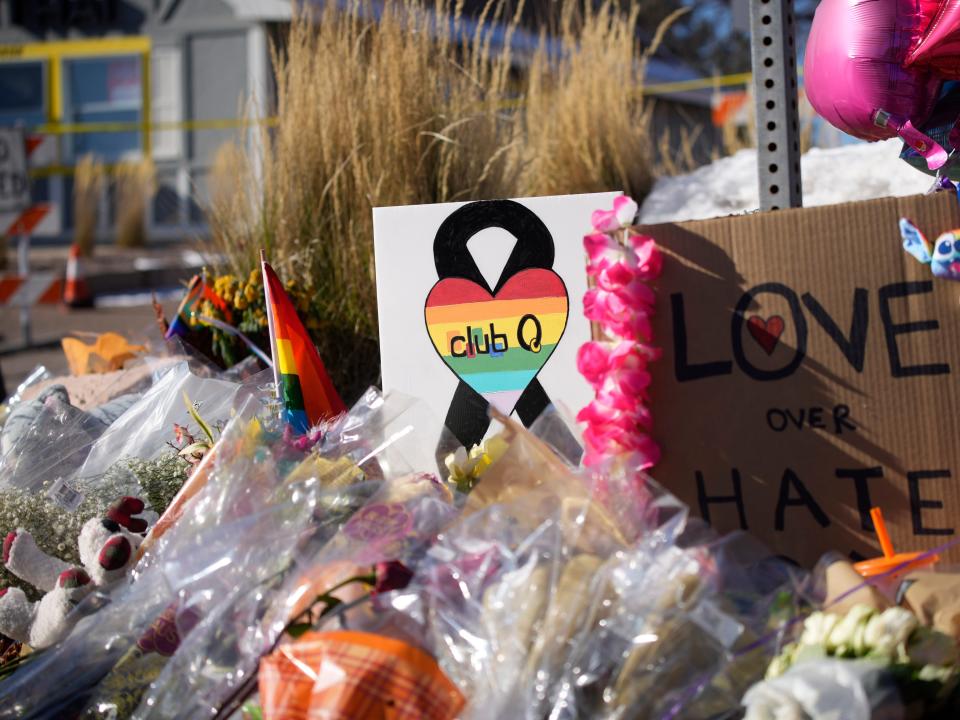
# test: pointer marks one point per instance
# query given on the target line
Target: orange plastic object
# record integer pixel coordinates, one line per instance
(890, 559)
(106, 354)
(345, 675)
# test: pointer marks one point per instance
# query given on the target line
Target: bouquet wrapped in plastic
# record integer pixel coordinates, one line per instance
(203, 604)
(555, 594)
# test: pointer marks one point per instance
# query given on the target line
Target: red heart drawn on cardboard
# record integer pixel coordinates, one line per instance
(766, 332)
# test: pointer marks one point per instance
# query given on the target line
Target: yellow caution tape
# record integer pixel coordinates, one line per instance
(117, 127)
(668, 88)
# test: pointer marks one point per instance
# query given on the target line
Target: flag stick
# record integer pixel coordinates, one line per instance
(271, 326)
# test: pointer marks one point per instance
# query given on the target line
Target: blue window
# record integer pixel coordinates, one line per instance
(104, 90)
(22, 96)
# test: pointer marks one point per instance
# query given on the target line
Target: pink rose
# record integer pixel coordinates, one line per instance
(616, 410)
(601, 443)
(614, 276)
(624, 312)
(623, 214)
(626, 209)
(602, 248)
(593, 362)
(649, 260)
(632, 383)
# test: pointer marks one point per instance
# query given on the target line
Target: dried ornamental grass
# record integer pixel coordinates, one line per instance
(587, 124)
(414, 104)
(134, 186)
(88, 182)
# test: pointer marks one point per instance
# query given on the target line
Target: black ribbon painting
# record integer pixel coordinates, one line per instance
(467, 417)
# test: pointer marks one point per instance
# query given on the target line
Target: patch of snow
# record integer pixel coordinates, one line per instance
(862, 171)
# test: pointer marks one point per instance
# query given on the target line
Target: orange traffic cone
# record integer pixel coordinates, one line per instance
(76, 292)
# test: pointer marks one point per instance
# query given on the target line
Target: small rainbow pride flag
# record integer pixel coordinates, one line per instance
(197, 290)
(303, 386)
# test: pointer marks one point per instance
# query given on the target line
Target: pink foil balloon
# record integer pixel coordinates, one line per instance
(938, 48)
(854, 67)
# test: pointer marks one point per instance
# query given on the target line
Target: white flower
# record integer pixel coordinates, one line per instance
(825, 689)
(887, 633)
(455, 461)
(782, 662)
(625, 209)
(930, 647)
(933, 673)
(848, 635)
(766, 701)
(817, 628)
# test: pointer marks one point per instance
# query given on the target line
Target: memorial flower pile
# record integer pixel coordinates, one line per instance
(241, 545)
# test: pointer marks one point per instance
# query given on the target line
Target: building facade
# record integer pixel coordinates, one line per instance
(86, 75)
(172, 80)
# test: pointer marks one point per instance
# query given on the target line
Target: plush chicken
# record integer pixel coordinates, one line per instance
(107, 550)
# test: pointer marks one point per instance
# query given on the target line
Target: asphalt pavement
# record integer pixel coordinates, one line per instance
(121, 280)
(51, 323)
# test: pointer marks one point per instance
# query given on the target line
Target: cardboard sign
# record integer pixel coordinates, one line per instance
(809, 373)
(480, 304)
(14, 181)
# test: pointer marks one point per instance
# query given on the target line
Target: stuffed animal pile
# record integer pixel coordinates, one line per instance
(107, 550)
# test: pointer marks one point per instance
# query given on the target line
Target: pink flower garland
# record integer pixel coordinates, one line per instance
(621, 264)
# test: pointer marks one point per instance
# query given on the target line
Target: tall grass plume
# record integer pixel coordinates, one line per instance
(134, 186)
(88, 183)
(416, 104)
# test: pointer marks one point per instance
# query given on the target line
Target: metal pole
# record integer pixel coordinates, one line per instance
(774, 55)
(23, 270)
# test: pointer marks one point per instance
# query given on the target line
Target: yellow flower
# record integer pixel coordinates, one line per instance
(223, 285)
(250, 292)
(467, 468)
(260, 316)
(239, 301)
(255, 277)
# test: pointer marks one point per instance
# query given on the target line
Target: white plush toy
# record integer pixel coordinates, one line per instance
(107, 550)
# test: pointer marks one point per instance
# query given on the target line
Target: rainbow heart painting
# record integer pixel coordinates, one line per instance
(498, 343)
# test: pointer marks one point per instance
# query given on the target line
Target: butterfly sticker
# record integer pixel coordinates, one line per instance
(943, 255)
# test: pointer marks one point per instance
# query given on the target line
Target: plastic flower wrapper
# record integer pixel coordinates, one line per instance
(67, 451)
(378, 545)
(919, 662)
(500, 591)
(51, 420)
(673, 626)
(38, 375)
(826, 690)
(146, 428)
(369, 509)
(348, 674)
(237, 535)
(234, 537)
(53, 443)
(205, 585)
